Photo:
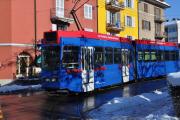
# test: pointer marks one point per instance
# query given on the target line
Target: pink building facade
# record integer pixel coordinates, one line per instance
(21, 25)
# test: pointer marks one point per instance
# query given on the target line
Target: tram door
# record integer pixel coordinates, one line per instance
(87, 58)
(125, 64)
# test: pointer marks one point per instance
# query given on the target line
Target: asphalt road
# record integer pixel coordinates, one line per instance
(41, 106)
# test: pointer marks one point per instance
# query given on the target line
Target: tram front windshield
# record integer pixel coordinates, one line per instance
(50, 57)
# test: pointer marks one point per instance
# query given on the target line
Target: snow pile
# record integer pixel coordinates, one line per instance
(174, 79)
(160, 117)
(14, 88)
(151, 106)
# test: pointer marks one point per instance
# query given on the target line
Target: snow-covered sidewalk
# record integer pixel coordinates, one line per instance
(174, 79)
(155, 105)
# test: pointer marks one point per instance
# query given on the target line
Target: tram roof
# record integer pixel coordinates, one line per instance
(156, 42)
(92, 35)
(99, 36)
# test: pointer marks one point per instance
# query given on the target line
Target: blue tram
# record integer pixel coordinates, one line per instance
(154, 59)
(85, 61)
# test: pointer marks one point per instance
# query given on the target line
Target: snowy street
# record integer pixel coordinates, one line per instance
(146, 100)
(152, 105)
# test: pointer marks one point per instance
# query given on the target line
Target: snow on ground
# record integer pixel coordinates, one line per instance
(17, 87)
(174, 79)
(155, 105)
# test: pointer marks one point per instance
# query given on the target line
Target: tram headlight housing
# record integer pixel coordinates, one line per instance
(54, 79)
(47, 80)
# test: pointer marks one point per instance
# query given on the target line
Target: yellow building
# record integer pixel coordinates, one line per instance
(118, 17)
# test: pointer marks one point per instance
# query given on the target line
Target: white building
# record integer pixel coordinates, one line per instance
(172, 29)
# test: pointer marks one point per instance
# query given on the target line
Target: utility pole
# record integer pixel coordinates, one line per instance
(35, 30)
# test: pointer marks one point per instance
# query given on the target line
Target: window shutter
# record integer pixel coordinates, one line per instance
(118, 20)
(90, 11)
(132, 4)
(143, 24)
(85, 11)
(108, 16)
(125, 20)
(125, 3)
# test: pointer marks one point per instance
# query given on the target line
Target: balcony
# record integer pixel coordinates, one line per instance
(60, 16)
(114, 6)
(114, 27)
(160, 35)
(159, 19)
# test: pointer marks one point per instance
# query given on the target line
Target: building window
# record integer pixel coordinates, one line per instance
(146, 25)
(158, 28)
(157, 12)
(130, 21)
(130, 3)
(113, 18)
(145, 7)
(88, 11)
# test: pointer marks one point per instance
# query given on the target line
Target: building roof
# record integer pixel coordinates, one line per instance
(159, 3)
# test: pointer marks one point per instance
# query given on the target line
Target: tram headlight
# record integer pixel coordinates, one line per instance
(47, 80)
(53, 79)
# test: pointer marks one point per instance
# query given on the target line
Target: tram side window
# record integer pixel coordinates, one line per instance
(70, 56)
(117, 55)
(99, 56)
(108, 55)
(177, 55)
(172, 55)
(140, 55)
(153, 56)
(160, 55)
(147, 56)
(167, 55)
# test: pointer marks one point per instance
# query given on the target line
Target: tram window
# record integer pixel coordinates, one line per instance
(167, 55)
(172, 55)
(160, 55)
(140, 55)
(50, 57)
(117, 55)
(177, 55)
(99, 56)
(50, 36)
(70, 56)
(108, 55)
(147, 56)
(153, 56)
